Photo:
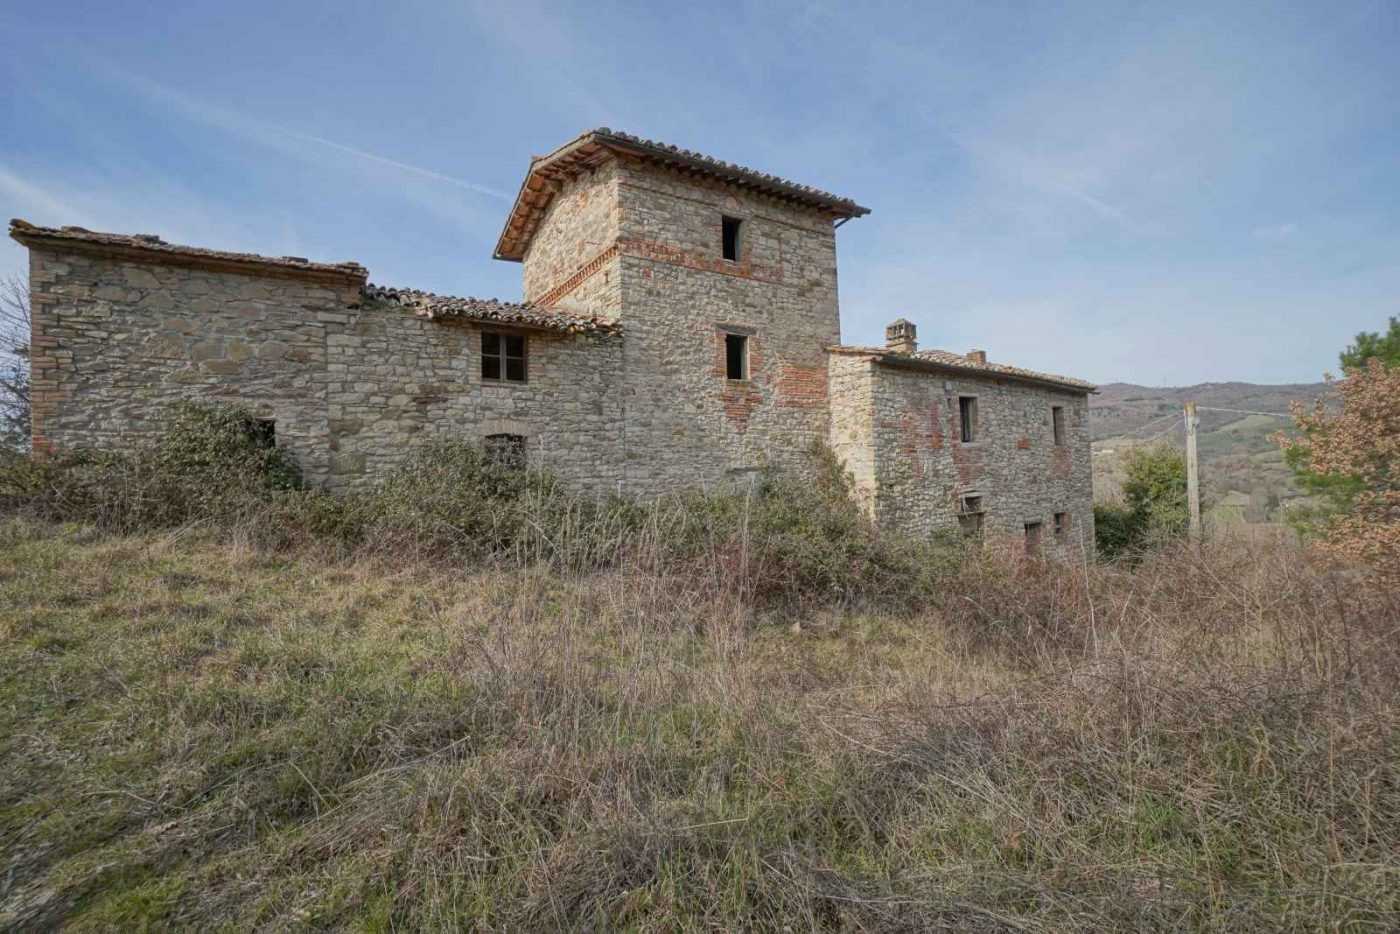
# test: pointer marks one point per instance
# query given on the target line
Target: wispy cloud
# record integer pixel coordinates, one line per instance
(402, 166)
(277, 137)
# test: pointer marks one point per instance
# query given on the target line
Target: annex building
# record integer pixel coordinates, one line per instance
(679, 327)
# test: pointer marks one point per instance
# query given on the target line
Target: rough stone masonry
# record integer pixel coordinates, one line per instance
(679, 328)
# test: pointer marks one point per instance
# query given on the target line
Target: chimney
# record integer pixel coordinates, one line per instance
(977, 356)
(900, 336)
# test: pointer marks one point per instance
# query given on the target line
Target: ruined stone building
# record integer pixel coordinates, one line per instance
(679, 327)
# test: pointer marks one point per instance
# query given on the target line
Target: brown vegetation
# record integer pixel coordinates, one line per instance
(200, 734)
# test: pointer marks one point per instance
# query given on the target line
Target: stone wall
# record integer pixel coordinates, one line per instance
(688, 423)
(572, 258)
(916, 468)
(351, 388)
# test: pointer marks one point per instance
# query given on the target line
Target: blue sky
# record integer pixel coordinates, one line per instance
(1158, 193)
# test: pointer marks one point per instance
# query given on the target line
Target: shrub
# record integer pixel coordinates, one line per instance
(1155, 511)
(207, 462)
(786, 541)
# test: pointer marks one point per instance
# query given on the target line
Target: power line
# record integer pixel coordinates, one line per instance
(1213, 408)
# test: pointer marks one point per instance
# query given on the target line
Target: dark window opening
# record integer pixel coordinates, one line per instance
(967, 414)
(1061, 524)
(736, 356)
(1032, 537)
(506, 450)
(502, 357)
(730, 226)
(263, 432)
(972, 503)
(1057, 421)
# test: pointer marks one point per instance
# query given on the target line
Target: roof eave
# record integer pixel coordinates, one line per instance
(34, 237)
(915, 363)
(777, 187)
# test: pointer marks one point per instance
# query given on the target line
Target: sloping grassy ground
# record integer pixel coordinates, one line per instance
(201, 735)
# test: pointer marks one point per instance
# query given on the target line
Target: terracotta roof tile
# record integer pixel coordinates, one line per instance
(153, 248)
(589, 147)
(946, 360)
(434, 307)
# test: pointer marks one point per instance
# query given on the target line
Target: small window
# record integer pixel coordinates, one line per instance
(1061, 525)
(730, 227)
(967, 413)
(506, 450)
(736, 356)
(1057, 422)
(1032, 537)
(502, 357)
(263, 432)
(971, 503)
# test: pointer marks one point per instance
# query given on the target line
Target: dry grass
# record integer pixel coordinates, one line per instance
(202, 734)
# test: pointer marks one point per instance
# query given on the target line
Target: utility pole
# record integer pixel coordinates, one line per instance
(1193, 473)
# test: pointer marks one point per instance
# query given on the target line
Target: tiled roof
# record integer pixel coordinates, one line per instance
(428, 305)
(946, 360)
(151, 248)
(593, 146)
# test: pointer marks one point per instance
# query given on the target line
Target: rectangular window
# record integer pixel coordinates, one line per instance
(730, 237)
(1057, 422)
(263, 432)
(1032, 537)
(736, 356)
(506, 450)
(502, 357)
(967, 414)
(1061, 525)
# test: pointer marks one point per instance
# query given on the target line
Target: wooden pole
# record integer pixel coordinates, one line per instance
(1193, 474)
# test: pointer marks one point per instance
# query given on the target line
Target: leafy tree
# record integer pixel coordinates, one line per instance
(1154, 509)
(1334, 493)
(1383, 347)
(1353, 458)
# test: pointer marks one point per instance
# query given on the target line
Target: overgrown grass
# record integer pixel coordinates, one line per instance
(467, 699)
(200, 734)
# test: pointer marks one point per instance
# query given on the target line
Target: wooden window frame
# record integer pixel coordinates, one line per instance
(967, 420)
(502, 357)
(1057, 425)
(725, 220)
(1034, 532)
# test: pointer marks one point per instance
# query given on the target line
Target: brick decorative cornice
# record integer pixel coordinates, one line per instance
(675, 256)
(660, 253)
(578, 278)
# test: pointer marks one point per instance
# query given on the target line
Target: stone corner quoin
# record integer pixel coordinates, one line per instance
(680, 327)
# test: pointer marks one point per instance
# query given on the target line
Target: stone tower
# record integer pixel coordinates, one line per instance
(724, 282)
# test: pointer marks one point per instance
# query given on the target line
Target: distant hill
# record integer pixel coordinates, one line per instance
(1239, 462)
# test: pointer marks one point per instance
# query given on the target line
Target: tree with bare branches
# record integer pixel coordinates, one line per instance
(14, 363)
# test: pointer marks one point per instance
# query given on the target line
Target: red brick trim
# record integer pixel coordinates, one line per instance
(584, 273)
(664, 253)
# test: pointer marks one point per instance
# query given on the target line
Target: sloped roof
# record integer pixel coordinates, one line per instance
(151, 248)
(491, 310)
(593, 146)
(943, 360)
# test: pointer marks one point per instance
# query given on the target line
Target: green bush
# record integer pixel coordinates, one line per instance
(784, 541)
(207, 462)
(1155, 509)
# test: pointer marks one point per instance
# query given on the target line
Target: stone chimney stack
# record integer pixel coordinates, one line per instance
(900, 336)
(977, 356)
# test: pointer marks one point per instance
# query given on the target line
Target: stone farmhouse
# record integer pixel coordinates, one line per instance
(679, 327)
